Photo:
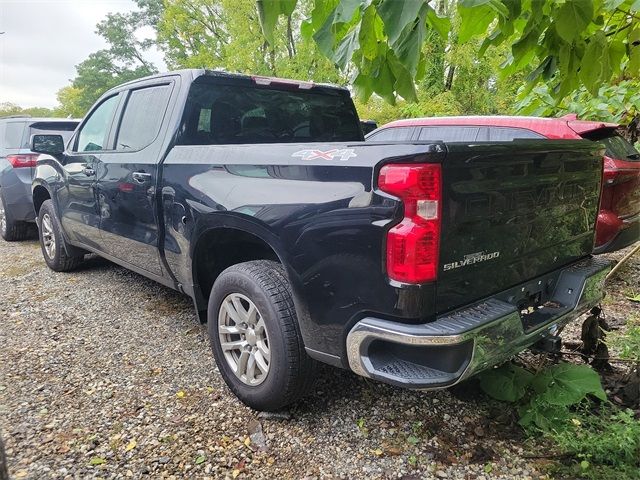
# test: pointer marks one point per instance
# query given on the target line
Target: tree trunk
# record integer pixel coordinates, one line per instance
(291, 43)
(449, 83)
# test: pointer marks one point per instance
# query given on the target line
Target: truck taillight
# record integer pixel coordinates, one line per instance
(23, 160)
(413, 245)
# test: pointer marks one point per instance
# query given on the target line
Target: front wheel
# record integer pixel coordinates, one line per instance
(255, 336)
(54, 248)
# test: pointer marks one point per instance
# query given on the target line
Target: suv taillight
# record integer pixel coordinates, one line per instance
(413, 245)
(23, 160)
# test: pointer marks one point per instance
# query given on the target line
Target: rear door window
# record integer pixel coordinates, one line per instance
(449, 133)
(12, 135)
(143, 117)
(617, 147)
(397, 134)
(508, 134)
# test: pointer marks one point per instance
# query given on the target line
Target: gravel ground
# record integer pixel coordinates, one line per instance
(105, 374)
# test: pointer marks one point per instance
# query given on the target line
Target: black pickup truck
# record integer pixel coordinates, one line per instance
(416, 264)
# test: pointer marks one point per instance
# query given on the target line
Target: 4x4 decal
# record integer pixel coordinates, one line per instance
(343, 154)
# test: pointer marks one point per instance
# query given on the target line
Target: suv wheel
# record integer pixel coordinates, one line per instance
(255, 336)
(11, 230)
(54, 247)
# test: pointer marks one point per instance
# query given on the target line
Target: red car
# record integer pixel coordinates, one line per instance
(619, 216)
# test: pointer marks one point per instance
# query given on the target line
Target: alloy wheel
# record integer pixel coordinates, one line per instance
(244, 339)
(48, 236)
(3, 218)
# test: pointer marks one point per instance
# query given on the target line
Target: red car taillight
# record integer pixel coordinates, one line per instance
(23, 160)
(413, 245)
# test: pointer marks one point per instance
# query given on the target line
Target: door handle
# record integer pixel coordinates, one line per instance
(88, 171)
(141, 177)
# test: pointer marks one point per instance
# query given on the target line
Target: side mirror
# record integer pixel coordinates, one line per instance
(51, 144)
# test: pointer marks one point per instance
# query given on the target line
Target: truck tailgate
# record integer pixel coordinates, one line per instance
(513, 211)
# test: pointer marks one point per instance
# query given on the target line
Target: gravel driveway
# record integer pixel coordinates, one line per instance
(106, 374)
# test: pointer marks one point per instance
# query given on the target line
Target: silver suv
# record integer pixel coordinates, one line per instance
(17, 165)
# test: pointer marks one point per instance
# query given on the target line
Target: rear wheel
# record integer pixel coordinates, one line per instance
(255, 336)
(54, 248)
(10, 229)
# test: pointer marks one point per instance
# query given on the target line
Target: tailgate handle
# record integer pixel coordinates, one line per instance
(141, 177)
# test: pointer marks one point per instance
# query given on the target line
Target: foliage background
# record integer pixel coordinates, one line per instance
(468, 57)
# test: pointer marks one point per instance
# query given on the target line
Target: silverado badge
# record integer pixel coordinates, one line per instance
(470, 259)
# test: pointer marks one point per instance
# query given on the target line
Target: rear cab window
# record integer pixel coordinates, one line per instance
(617, 147)
(218, 112)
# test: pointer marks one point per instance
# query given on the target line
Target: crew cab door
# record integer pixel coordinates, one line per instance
(127, 186)
(77, 203)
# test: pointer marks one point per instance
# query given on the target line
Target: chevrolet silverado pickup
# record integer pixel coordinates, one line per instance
(413, 263)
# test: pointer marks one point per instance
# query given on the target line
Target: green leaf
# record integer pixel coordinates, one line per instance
(544, 416)
(97, 461)
(442, 25)
(200, 459)
(363, 88)
(408, 47)
(370, 31)
(572, 18)
(269, 11)
(383, 80)
(346, 9)
(525, 44)
(474, 21)
(397, 14)
(343, 52)
(634, 52)
(571, 383)
(507, 383)
(403, 84)
(592, 62)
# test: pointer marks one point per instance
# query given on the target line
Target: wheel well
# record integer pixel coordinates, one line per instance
(217, 250)
(40, 194)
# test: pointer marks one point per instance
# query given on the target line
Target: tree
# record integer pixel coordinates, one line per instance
(569, 42)
(70, 102)
(227, 34)
(9, 109)
(122, 61)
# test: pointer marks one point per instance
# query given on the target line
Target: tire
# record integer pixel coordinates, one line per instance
(4, 474)
(10, 229)
(52, 243)
(290, 371)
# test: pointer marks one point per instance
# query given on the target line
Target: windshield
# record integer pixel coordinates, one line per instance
(65, 129)
(226, 114)
(616, 146)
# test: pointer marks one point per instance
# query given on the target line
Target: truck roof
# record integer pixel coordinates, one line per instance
(191, 74)
(545, 126)
(30, 119)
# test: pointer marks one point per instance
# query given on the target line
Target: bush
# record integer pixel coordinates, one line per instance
(603, 445)
(556, 403)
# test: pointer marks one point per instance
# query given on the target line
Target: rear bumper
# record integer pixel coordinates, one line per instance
(16, 191)
(464, 342)
(628, 234)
